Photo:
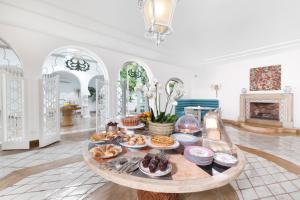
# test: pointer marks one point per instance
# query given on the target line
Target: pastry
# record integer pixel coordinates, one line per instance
(153, 165)
(140, 142)
(148, 157)
(105, 151)
(162, 141)
(145, 163)
(126, 138)
(163, 164)
(103, 136)
(130, 121)
(134, 140)
(97, 137)
(155, 162)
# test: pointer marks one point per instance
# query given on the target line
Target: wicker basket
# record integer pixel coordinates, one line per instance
(161, 129)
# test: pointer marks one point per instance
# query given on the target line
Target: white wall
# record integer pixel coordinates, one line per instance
(68, 84)
(33, 48)
(235, 75)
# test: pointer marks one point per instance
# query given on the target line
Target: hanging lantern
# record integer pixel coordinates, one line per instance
(158, 15)
(78, 64)
(134, 73)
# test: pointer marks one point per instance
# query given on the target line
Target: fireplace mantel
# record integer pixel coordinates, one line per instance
(285, 101)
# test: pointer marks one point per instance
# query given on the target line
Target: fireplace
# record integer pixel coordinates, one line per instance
(275, 109)
(265, 111)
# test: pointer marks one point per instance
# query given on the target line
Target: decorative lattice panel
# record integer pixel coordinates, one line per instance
(102, 89)
(1, 101)
(121, 98)
(50, 106)
(13, 105)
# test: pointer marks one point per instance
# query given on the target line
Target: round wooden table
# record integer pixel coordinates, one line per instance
(186, 178)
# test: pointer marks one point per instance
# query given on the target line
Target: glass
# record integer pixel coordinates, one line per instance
(214, 133)
(158, 15)
(187, 124)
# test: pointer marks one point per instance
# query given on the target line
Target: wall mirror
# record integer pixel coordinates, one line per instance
(174, 88)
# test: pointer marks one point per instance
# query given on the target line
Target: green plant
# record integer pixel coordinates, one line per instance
(163, 117)
(153, 91)
(92, 95)
(133, 75)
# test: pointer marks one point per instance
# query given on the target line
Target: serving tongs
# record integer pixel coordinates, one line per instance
(124, 165)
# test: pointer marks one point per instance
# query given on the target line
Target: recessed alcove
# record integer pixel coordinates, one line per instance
(264, 111)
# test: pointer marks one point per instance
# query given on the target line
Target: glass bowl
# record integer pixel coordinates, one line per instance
(187, 124)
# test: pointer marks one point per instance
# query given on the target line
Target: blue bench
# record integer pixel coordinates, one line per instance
(181, 103)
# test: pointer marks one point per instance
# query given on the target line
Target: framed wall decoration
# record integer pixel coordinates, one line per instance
(265, 78)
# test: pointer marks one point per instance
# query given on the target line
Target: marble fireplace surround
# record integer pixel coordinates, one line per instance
(286, 107)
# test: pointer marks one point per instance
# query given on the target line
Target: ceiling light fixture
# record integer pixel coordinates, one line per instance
(158, 15)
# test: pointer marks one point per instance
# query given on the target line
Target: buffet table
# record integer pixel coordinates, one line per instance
(186, 177)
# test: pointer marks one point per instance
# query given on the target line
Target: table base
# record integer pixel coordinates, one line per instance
(145, 195)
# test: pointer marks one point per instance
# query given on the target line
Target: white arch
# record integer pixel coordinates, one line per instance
(88, 52)
(100, 66)
(141, 63)
(13, 50)
(93, 77)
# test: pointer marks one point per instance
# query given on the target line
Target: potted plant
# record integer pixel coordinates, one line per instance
(162, 120)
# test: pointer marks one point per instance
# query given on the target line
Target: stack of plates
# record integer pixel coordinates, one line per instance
(225, 159)
(199, 155)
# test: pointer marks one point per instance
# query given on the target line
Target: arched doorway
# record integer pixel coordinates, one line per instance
(92, 92)
(84, 65)
(12, 118)
(133, 76)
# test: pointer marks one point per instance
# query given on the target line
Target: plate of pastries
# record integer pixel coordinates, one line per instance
(106, 151)
(163, 142)
(134, 141)
(103, 137)
(155, 165)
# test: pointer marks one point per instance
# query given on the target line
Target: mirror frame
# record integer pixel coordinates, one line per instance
(173, 79)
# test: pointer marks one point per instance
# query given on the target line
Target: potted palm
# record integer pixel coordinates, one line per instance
(162, 120)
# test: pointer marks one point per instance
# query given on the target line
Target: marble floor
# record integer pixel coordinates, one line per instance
(261, 178)
(74, 181)
(80, 125)
(10, 163)
(286, 147)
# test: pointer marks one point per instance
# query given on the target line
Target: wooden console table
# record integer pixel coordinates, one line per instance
(68, 112)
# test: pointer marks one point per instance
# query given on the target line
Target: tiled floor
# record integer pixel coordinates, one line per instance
(14, 162)
(73, 181)
(80, 125)
(261, 179)
(286, 147)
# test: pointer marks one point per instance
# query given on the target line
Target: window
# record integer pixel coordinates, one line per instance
(132, 78)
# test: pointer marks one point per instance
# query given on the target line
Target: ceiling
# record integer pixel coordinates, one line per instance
(204, 30)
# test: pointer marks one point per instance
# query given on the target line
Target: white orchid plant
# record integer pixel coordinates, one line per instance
(153, 91)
